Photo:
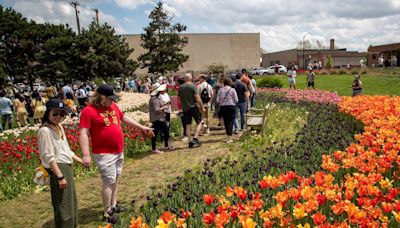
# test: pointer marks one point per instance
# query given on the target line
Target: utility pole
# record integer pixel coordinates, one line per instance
(97, 16)
(75, 4)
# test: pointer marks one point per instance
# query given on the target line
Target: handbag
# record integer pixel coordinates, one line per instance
(42, 177)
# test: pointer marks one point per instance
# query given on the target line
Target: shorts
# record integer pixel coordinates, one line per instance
(191, 113)
(110, 166)
(7, 117)
(292, 81)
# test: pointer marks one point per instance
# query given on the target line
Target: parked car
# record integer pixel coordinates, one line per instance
(256, 71)
(271, 70)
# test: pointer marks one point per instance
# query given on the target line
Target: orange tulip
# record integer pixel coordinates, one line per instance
(319, 218)
(208, 199)
(208, 218)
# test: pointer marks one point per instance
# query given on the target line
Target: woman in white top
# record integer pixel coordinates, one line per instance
(57, 158)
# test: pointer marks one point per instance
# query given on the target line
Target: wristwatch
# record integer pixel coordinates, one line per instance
(60, 178)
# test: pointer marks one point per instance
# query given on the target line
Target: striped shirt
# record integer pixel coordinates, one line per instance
(227, 96)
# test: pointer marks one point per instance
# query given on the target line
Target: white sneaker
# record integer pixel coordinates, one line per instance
(185, 139)
(229, 141)
(208, 131)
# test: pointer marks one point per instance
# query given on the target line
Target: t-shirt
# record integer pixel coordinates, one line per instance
(186, 94)
(241, 89)
(105, 129)
(310, 77)
(5, 106)
(205, 85)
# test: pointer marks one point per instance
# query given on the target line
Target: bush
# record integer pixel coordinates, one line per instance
(342, 71)
(323, 72)
(364, 71)
(269, 83)
(216, 68)
(354, 71)
(333, 72)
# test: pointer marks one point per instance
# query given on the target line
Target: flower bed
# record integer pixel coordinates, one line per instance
(19, 155)
(298, 95)
(271, 185)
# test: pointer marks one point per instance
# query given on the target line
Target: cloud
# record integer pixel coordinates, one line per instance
(131, 4)
(61, 12)
(355, 24)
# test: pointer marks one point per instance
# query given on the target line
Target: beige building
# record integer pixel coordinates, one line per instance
(235, 50)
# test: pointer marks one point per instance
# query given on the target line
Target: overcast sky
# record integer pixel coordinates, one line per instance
(354, 24)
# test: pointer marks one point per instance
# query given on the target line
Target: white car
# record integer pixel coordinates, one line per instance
(271, 70)
(255, 71)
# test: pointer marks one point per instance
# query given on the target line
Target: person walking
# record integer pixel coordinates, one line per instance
(254, 91)
(206, 95)
(189, 96)
(101, 122)
(81, 94)
(38, 105)
(292, 77)
(217, 87)
(57, 158)
(20, 109)
(158, 117)
(357, 86)
(242, 104)
(227, 99)
(6, 110)
(310, 79)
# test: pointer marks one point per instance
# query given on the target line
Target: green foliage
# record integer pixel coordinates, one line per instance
(269, 82)
(342, 71)
(364, 71)
(163, 43)
(354, 71)
(329, 62)
(216, 68)
(53, 52)
(323, 72)
(334, 72)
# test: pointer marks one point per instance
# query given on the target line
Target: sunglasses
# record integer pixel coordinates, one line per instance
(61, 114)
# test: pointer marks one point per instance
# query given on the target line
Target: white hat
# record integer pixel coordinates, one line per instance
(160, 88)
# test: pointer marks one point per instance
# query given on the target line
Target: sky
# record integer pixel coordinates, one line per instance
(354, 24)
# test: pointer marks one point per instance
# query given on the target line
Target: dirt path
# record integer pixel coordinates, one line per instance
(34, 210)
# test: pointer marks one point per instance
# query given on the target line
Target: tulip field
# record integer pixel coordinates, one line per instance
(19, 155)
(339, 170)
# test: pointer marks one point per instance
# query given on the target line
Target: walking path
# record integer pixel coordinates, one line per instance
(34, 210)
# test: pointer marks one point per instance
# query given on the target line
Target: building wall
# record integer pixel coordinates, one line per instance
(286, 58)
(341, 57)
(235, 50)
(387, 50)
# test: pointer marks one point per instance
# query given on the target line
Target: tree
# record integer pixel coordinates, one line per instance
(307, 45)
(102, 54)
(163, 43)
(329, 62)
(216, 68)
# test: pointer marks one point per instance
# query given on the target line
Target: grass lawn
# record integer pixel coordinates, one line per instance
(372, 84)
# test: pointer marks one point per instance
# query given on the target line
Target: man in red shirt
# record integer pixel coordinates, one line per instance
(101, 121)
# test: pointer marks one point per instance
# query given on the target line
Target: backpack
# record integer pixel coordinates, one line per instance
(205, 97)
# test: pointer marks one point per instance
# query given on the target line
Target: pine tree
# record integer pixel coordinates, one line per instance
(103, 54)
(163, 43)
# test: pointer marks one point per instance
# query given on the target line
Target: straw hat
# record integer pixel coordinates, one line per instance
(156, 88)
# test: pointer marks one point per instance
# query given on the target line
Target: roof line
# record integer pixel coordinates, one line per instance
(216, 33)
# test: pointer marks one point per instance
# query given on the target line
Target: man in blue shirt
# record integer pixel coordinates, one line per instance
(6, 109)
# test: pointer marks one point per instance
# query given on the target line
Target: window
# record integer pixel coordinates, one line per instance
(373, 56)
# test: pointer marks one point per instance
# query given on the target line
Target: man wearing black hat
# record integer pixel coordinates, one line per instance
(101, 121)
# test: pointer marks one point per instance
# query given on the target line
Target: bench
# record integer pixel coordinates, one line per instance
(255, 121)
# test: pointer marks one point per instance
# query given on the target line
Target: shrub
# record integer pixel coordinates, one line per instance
(323, 72)
(342, 71)
(333, 72)
(269, 83)
(364, 71)
(216, 68)
(354, 71)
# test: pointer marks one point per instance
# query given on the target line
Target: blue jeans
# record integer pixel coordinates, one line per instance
(252, 100)
(242, 108)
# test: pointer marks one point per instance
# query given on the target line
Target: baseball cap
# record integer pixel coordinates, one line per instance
(56, 104)
(108, 91)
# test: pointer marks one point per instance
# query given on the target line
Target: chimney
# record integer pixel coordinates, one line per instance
(332, 45)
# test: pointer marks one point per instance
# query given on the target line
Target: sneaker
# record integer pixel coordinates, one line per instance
(236, 132)
(119, 208)
(229, 141)
(196, 142)
(185, 139)
(208, 131)
(156, 151)
(169, 147)
(191, 144)
(110, 217)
